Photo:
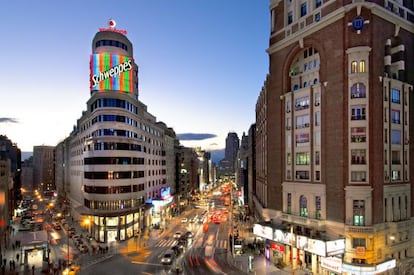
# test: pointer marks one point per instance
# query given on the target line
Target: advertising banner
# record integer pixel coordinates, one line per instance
(111, 72)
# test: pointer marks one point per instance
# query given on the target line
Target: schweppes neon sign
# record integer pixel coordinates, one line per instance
(112, 72)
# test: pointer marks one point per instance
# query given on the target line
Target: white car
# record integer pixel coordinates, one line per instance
(177, 235)
(184, 220)
(168, 258)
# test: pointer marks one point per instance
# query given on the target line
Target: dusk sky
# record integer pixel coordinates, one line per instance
(202, 64)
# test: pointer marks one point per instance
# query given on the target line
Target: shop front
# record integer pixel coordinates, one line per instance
(286, 248)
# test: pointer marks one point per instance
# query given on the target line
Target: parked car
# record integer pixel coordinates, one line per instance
(184, 220)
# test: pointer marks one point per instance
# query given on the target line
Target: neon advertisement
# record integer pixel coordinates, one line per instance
(111, 72)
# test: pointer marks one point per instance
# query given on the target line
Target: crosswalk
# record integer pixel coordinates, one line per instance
(198, 244)
(166, 243)
(221, 244)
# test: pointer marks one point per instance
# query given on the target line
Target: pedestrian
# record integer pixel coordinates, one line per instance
(10, 264)
(17, 257)
(33, 268)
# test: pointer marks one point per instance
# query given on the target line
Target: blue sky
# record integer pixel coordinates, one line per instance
(202, 64)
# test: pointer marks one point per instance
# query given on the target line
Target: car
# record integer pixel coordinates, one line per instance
(182, 243)
(184, 220)
(177, 235)
(189, 234)
(73, 269)
(177, 250)
(57, 226)
(168, 258)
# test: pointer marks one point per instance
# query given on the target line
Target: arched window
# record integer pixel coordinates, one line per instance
(358, 90)
(362, 66)
(303, 206)
(354, 67)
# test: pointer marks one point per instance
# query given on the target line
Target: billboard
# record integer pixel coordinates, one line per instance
(111, 72)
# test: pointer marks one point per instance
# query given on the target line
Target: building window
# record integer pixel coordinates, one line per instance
(395, 116)
(317, 118)
(302, 121)
(302, 9)
(358, 112)
(396, 157)
(358, 90)
(318, 213)
(302, 175)
(359, 212)
(358, 176)
(354, 67)
(395, 137)
(289, 159)
(287, 106)
(318, 3)
(358, 134)
(358, 156)
(302, 103)
(317, 175)
(317, 17)
(290, 17)
(395, 175)
(362, 66)
(395, 95)
(302, 139)
(317, 97)
(288, 123)
(358, 242)
(303, 206)
(317, 158)
(302, 158)
(289, 203)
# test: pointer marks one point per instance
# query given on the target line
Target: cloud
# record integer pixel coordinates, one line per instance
(8, 120)
(195, 136)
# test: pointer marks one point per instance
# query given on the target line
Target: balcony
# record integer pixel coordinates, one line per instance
(359, 229)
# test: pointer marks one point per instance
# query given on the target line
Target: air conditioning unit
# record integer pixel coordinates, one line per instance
(317, 103)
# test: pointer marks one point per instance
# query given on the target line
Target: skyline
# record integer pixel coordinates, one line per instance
(201, 65)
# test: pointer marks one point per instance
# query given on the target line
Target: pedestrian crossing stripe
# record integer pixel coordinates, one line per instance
(221, 244)
(166, 243)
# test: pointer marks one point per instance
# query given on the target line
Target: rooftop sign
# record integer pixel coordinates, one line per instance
(111, 28)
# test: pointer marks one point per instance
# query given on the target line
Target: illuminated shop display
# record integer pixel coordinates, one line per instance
(111, 72)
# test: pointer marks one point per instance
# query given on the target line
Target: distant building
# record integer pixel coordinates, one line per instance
(187, 175)
(227, 165)
(9, 150)
(44, 168)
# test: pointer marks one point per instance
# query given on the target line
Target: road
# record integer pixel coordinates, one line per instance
(136, 258)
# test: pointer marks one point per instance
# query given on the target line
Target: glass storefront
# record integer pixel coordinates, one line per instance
(118, 228)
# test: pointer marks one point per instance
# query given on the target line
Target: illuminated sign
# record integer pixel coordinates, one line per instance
(165, 193)
(301, 242)
(277, 247)
(111, 72)
(284, 237)
(332, 263)
(316, 247)
(111, 28)
(335, 247)
(263, 231)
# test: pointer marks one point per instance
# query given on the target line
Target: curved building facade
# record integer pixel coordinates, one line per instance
(117, 154)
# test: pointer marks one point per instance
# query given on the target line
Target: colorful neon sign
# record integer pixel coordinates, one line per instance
(111, 72)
